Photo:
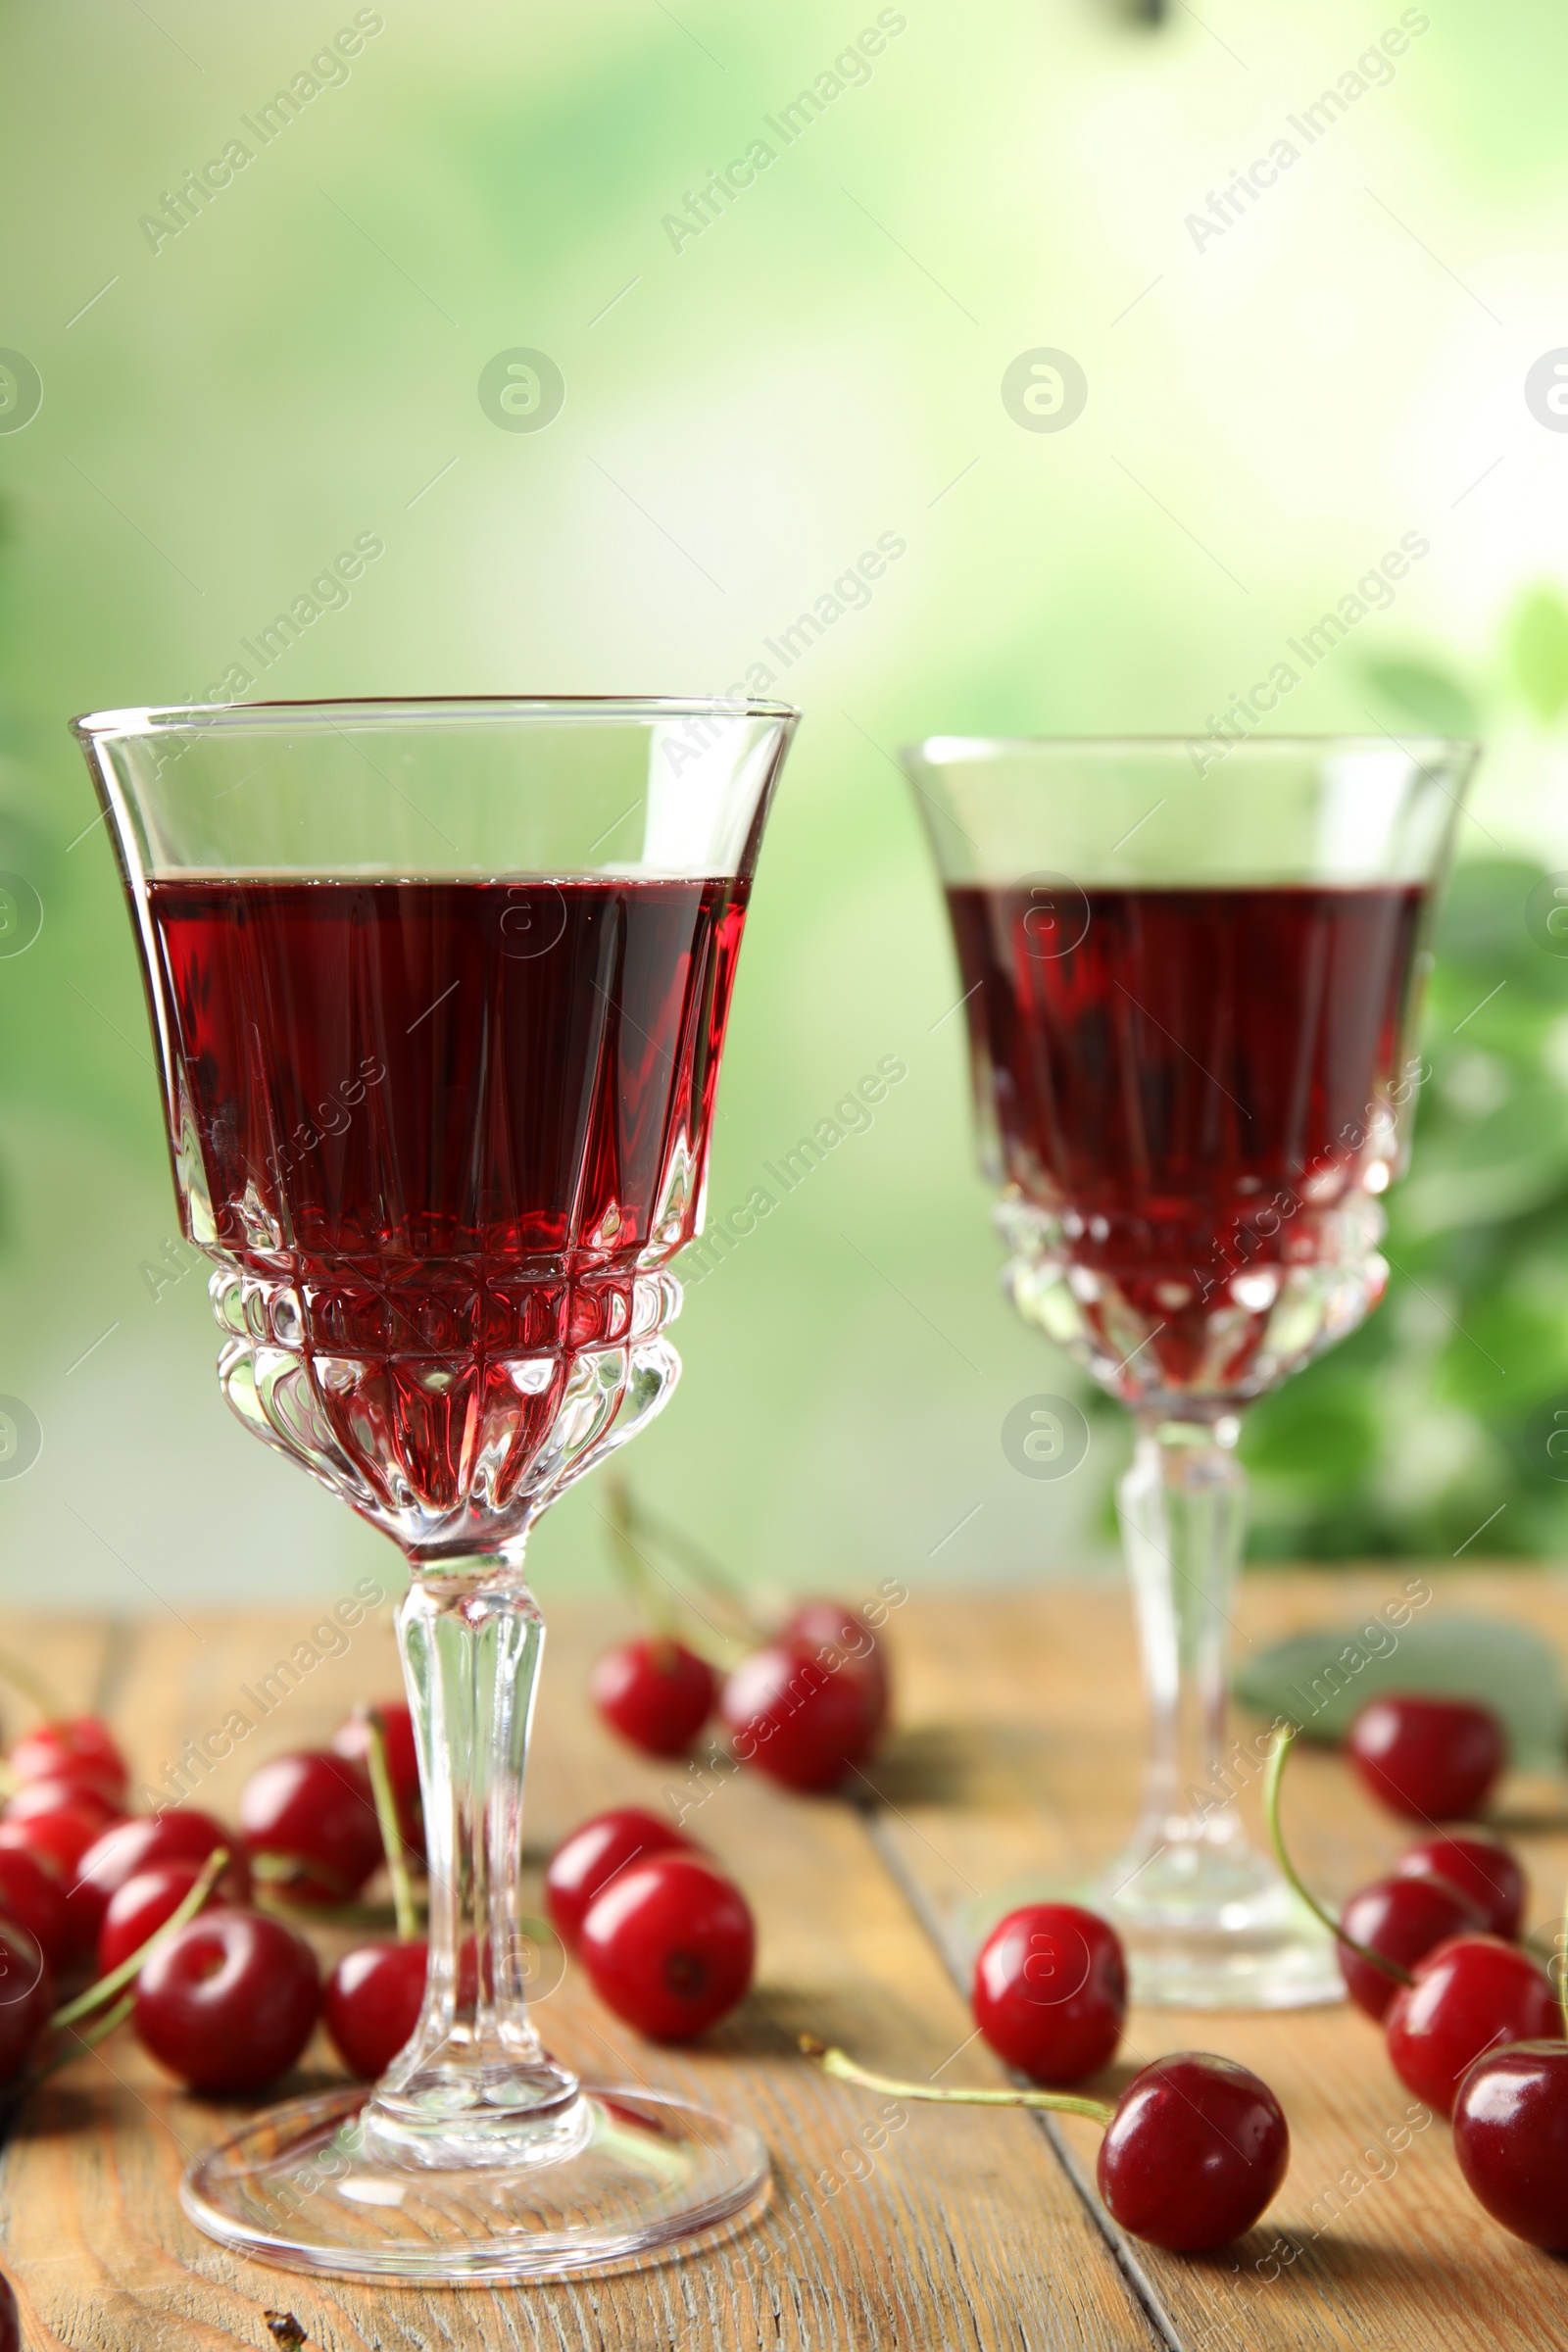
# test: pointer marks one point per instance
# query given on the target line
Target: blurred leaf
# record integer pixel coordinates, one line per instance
(1481, 920)
(1513, 1160)
(1434, 700)
(1538, 646)
(1316, 1678)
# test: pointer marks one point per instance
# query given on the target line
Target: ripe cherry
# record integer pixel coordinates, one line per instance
(668, 1946)
(59, 1841)
(26, 1997)
(139, 1906)
(1433, 1759)
(1197, 2149)
(312, 1816)
(79, 1749)
(353, 1738)
(1194, 2148)
(1404, 1919)
(851, 1646)
(1510, 2135)
(1481, 1868)
(229, 2001)
(10, 2318)
(36, 1798)
(181, 1834)
(372, 2004)
(1472, 1994)
(1050, 1992)
(584, 1863)
(36, 1899)
(657, 1693)
(796, 1720)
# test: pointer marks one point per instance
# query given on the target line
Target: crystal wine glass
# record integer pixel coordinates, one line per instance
(1192, 973)
(439, 992)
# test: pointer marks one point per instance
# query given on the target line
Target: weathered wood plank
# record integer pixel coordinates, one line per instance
(959, 2228)
(1020, 1754)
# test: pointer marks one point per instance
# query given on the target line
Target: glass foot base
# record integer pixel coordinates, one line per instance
(645, 2177)
(1201, 1931)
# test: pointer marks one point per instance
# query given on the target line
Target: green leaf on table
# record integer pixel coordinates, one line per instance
(1429, 697)
(1321, 1678)
(1538, 646)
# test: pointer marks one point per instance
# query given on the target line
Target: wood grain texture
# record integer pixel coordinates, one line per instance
(1019, 1755)
(960, 2229)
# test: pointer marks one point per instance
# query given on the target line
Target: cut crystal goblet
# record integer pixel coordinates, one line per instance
(1192, 975)
(439, 993)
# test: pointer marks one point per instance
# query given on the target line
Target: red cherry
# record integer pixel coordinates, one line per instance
(35, 1798)
(1481, 1868)
(796, 1719)
(139, 1907)
(1196, 2150)
(1510, 2135)
(10, 2318)
(1404, 1919)
(315, 1811)
(853, 1649)
(57, 1840)
(34, 1897)
(584, 1863)
(669, 1946)
(26, 1996)
(81, 1747)
(1470, 1995)
(1050, 1992)
(372, 2004)
(353, 1738)
(229, 2001)
(657, 1693)
(1434, 1759)
(181, 1834)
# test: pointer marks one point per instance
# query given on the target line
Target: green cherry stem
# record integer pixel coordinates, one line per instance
(212, 1871)
(99, 2030)
(20, 1676)
(386, 1814)
(655, 1599)
(1284, 1740)
(843, 2069)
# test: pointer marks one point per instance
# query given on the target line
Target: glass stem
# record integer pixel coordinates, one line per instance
(474, 2081)
(1182, 1507)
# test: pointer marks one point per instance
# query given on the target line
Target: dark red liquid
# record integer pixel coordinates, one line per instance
(452, 1118)
(1188, 1078)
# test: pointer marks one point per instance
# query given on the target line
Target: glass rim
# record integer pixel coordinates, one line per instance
(145, 719)
(970, 746)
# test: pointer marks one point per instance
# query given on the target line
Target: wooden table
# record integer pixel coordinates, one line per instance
(1018, 1749)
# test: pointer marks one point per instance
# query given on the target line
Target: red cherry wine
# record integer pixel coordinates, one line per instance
(1190, 1084)
(443, 1123)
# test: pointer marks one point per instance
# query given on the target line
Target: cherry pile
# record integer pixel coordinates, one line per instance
(667, 1940)
(807, 1702)
(1472, 2023)
(177, 1918)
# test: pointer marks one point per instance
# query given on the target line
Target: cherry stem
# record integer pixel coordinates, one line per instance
(700, 1563)
(1283, 1740)
(386, 1814)
(99, 2030)
(212, 1871)
(656, 1601)
(20, 1676)
(843, 2069)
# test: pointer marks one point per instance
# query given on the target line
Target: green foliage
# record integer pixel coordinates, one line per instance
(1442, 1425)
(1428, 697)
(1538, 647)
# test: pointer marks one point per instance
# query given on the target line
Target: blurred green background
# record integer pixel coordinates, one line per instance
(750, 401)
